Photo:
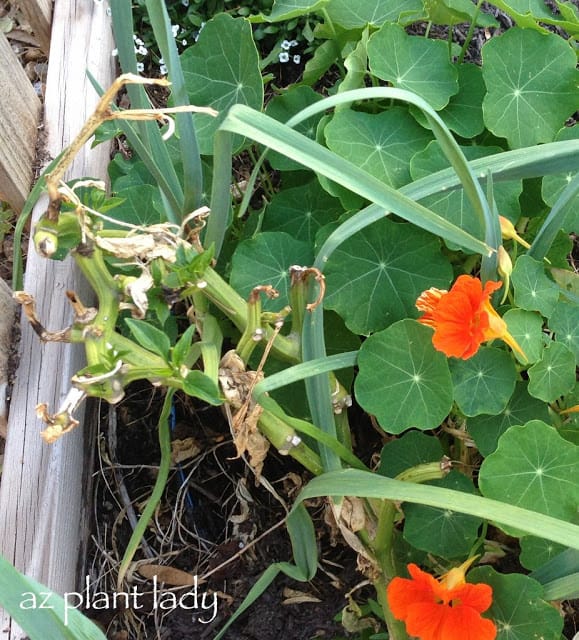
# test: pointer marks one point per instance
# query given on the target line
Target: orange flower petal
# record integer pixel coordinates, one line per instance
(433, 611)
(463, 318)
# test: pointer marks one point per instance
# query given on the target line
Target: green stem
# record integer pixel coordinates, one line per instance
(161, 481)
(396, 628)
(282, 436)
(235, 307)
(469, 34)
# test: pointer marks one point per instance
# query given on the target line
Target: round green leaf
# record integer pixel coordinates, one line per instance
(526, 327)
(533, 290)
(443, 532)
(285, 106)
(410, 449)
(517, 608)
(486, 430)
(537, 551)
(564, 322)
(483, 383)
(454, 11)
(454, 205)
(402, 379)
(375, 277)
(265, 260)
(554, 375)
(356, 15)
(301, 211)
(463, 114)
(142, 205)
(220, 70)
(382, 143)
(533, 467)
(413, 63)
(531, 82)
(553, 185)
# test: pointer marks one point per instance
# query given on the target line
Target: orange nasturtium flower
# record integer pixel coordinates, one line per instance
(463, 318)
(445, 609)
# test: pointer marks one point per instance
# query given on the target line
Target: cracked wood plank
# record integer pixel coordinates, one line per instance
(42, 507)
(19, 113)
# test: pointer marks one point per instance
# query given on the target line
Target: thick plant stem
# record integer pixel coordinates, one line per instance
(396, 628)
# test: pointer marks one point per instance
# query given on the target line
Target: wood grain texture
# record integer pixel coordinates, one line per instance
(39, 15)
(41, 493)
(19, 114)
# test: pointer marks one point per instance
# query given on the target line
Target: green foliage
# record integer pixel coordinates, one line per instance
(369, 199)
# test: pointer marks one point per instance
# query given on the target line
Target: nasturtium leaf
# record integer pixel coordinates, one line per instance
(553, 185)
(382, 143)
(265, 260)
(288, 9)
(402, 379)
(554, 375)
(535, 552)
(486, 430)
(356, 65)
(517, 607)
(564, 322)
(414, 63)
(350, 200)
(376, 275)
(356, 15)
(463, 114)
(533, 289)
(526, 327)
(150, 337)
(301, 211)
(222, 69)
(531, 85)
(449, 12)
(142, 205)
(483, 383)
(534, 468)
(454, 205)
(323, 57)
(128, 172)
(443, 532)
(410, 449)
(285, 106)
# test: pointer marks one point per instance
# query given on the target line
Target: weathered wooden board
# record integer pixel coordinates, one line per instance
(41, 497)
(19, 114)
(39, 15)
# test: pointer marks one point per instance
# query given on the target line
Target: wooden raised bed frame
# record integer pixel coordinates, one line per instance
(42, 503)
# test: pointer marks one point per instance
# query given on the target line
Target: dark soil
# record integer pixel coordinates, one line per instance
(214, 523)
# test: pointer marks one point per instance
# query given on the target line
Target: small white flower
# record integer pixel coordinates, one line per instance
(109, 12)
(115, 53)
(285, 45)
(140, 67)
(297, 59)
(142, 51)
(175, 30)
(163, 70)
(293, 43)
(185, 3)
(161, 61)
(184, 42)
(134, 36)
(284, 56)
(138, 42)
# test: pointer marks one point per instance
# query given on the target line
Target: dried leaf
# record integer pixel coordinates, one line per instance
(293, 596)
(184, 449)
(168, 575)
(353, 514)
